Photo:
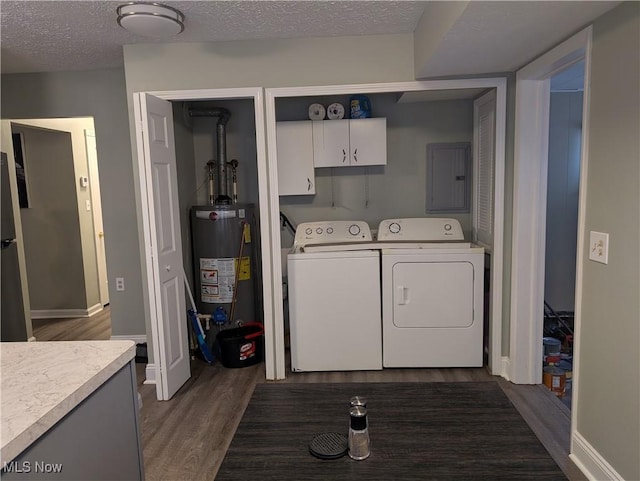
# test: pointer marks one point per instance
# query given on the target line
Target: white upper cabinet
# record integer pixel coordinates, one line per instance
(368, 141)
(294, 141)
(331, 143)
(349, 142)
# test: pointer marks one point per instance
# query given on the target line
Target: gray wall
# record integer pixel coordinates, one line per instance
(101, 95)
(50, 226)
(608, 414)
(565, 129)
(269, 63)
(186, 180)
(438, 18)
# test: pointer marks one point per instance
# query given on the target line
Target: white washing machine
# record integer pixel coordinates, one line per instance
(334, 299)
(432, 294)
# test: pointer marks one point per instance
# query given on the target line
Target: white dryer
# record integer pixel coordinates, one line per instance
(432, 294)
(334, 298)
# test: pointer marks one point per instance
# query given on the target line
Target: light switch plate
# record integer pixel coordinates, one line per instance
(599, 247)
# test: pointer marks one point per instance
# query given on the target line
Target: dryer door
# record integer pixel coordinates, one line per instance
(433, 294)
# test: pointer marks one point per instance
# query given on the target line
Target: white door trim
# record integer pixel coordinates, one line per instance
(500, 84)
(96, 201)
(256, 93)
(529, 216)
(496, 362)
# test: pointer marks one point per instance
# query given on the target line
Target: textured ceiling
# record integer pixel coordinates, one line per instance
(76, 35)
(487, 37)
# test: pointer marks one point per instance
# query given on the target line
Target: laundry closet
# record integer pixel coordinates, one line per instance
(417, 156)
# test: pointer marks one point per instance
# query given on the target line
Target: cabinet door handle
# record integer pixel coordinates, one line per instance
(308, 184)
(355, 155)
(344, 156)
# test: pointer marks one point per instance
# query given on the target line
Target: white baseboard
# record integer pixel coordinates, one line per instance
(590, 461)
(138, 339)
(95, 309)
(150, 374)
(505, 367)
(64, 313)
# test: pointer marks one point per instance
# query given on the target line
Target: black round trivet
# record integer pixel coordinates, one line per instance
(329, 446)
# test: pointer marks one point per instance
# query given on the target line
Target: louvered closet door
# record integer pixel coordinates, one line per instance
(484, 159)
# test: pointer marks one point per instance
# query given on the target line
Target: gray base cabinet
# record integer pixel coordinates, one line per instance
(98, 440)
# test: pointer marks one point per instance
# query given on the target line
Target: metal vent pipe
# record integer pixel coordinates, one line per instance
(221, 134)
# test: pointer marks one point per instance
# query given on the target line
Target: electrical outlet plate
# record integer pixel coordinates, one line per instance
(599, 247)
(119, 283)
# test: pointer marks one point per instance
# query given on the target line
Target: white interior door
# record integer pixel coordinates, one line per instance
(7, 143)
(163, 244)
(98, 228)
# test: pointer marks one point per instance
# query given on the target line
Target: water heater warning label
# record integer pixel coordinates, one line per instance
(217, 277)
(244, 268)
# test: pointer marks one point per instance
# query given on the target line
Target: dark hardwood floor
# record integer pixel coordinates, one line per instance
(187, 437)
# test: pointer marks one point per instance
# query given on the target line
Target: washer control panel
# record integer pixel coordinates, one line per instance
(420, 229)
(332, 232)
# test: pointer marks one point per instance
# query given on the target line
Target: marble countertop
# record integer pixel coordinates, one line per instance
(41, 382)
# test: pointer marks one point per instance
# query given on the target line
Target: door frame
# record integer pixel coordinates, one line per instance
(496, 361)
(98, 226)
(529, 212)
(149, 235)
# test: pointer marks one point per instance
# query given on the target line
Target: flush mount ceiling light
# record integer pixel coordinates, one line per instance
(150, 19)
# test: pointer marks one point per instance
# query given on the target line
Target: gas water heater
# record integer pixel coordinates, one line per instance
(224, 240)
(224, 253)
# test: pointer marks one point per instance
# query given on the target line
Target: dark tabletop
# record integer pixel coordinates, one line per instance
(418, 431)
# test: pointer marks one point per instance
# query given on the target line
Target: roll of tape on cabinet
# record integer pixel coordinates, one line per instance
(316, 112)
(335, 111)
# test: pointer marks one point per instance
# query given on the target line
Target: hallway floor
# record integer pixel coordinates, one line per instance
(94, 328)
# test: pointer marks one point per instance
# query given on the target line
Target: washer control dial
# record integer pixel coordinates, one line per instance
(308, 231)
(394, 228)
(329, 230)
(447, 227)
(319, 230)
(354, 229)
